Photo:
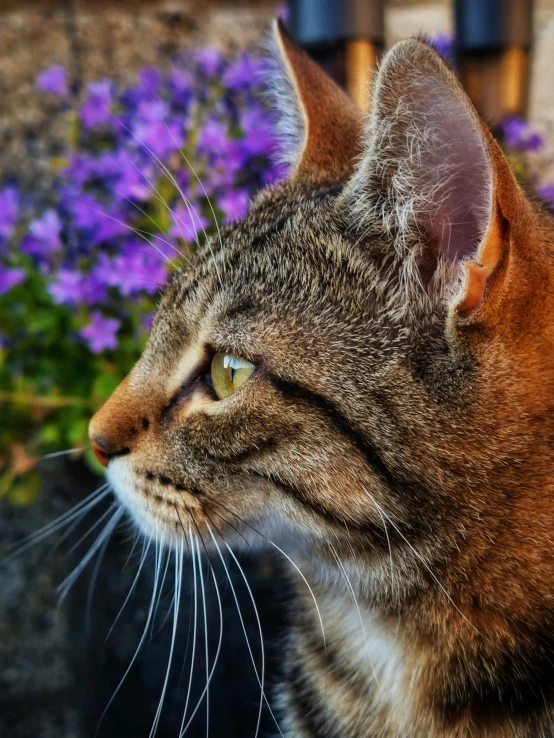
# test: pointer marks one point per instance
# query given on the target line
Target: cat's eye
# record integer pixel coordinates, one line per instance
(228, 373)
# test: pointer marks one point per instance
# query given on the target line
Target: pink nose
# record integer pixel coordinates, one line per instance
(100, 452)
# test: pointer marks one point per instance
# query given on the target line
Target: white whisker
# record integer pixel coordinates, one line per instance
(261, 682)
(88, 532)
(79, 510)
(160, 590)
(188, 204)
(194, 632)
(176, 604)
(290, 561)
(390, 548)
(137, 650)
(122, 223)
(193, 170)
(145, 550)
(54, 455)
(218, 649)
(92, 584)
(68, 582)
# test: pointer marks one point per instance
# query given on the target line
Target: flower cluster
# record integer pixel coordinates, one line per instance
(148, 171)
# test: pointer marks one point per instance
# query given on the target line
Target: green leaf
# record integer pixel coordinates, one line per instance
(50, 434)
(77, 431)
(24, 489)
(104, 385)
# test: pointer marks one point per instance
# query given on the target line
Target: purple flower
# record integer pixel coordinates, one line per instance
(258, 132)
(244, 72)
(53, 80)
(151, 80)
(180, 85)
(106, 166)
(132, 183)
(283, 12)
(97, 108)
(188, 222)
(153, 110)
(139, 268)
(443, 43)
(159, 138)
(234, 204)
(86, 211)
(208, 59)
(46, 231)
(520, 135)
(547, 192)
(9, 278)
(93, 291)
(9, 207)
(101, 332)
(98, 222)
(274, 174)
(79, 169)
(33, 247)
(226, 165)
(106, 271)
(146, 323)
(130, 97)
(66, 288)
(213, 137)
(110, 226)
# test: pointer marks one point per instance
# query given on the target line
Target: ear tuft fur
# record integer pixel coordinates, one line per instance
(319, 126)
(289, 119)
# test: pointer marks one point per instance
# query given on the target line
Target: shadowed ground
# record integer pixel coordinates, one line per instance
(58, 670)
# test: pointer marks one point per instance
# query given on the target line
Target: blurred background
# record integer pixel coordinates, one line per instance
(128, 130)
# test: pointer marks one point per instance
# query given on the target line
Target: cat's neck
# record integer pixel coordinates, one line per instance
(431, 665)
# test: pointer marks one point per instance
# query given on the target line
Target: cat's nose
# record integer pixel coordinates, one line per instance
(117, 428)
(104, 451)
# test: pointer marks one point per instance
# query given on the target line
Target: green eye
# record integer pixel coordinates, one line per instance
(229, 373)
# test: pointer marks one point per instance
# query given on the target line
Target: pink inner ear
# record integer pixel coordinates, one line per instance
(463, 192)
(427, 168)
(451, 167)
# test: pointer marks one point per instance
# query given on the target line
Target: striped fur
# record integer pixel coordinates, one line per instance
(397, 435)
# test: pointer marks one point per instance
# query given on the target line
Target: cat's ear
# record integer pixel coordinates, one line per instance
(432, 174)
(320, 127)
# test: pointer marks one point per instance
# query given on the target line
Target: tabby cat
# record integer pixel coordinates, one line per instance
(362, 371)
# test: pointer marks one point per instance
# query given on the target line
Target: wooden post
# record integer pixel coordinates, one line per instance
(346, 37)
(493, 40)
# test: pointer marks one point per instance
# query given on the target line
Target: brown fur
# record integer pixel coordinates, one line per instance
(400, 422)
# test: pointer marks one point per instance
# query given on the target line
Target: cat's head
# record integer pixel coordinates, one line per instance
(367, 356)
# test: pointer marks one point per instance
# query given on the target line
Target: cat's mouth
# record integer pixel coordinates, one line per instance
(168, 511)
(162, 507)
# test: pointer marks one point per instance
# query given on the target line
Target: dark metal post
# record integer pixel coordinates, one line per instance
(493, 40)
(345, 36)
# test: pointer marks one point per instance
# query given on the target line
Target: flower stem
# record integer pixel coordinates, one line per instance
(45, 401)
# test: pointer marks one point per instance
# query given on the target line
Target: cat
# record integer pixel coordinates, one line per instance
(362, 371)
